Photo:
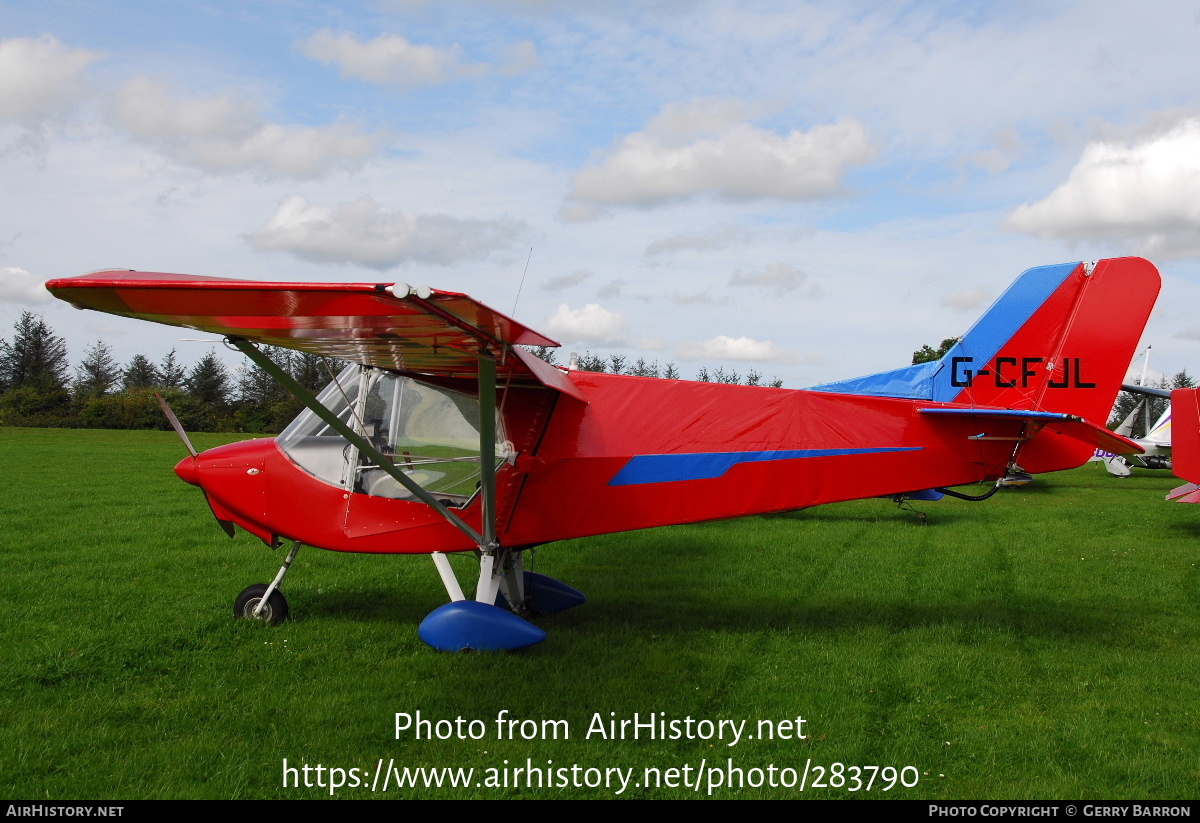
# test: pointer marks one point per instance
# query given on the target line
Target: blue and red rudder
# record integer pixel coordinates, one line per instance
(1060, 339)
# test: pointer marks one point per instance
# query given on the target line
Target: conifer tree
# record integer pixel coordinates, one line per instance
(256, 387)
(312, 371)
(592, 362)
(171, 374)
(546, 353)
(36, 358)
(208, 382)
(97, 373)
(140, 374)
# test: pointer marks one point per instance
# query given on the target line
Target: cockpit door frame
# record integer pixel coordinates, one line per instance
(487, 440)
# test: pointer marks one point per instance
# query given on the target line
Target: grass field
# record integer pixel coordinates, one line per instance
(1042, 644)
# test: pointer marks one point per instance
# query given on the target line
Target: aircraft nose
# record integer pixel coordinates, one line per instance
(186, 470)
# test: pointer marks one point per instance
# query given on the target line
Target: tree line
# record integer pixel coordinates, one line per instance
(38, 388)
(620, 364)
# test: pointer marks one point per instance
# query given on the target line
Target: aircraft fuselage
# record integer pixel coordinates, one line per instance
(642, 452)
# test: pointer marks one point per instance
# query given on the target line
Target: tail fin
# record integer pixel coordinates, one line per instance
(1059, 339)
(1185, 448)
(1160, 432)
(1126, 427)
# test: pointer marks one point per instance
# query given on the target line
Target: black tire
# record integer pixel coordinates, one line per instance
(275, 612)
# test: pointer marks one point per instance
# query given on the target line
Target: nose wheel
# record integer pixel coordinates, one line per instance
(274, 611)
(263, 602)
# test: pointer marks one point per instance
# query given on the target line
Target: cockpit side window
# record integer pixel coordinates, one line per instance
(430, 432)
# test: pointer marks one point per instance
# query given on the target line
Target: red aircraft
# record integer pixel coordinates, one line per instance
(448, 436)
(1185, 435)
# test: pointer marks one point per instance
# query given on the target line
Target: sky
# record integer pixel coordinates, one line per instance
(812, 190)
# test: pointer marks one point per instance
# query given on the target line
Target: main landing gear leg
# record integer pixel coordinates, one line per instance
(514, 582)
(535, 593)
(477, 624)
(480, 624)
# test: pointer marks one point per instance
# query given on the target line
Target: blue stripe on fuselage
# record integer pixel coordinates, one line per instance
(671, 468)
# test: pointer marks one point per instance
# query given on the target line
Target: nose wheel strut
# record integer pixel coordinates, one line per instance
(264, 601)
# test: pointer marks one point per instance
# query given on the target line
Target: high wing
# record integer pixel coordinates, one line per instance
(387, 325)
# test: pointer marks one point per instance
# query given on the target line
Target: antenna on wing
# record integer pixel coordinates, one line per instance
(514, 311)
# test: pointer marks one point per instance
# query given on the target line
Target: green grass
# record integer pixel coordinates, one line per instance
(1042, 644)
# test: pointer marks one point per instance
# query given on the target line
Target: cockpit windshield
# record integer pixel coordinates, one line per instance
(431, 433)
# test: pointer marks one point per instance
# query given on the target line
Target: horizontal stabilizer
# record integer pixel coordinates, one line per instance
(1187, 493)
(1067, 425)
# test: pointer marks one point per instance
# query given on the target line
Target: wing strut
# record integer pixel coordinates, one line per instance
(487, 441)
(487, 447)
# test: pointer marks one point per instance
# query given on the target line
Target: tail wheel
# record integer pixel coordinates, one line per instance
(274, 612)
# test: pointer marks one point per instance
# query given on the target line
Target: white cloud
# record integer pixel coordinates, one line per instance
(968, 299)
(40, 79)
(611, 289)
(522, 57)
(1007, 147)
(19, 286)
(1168, 245)
(706, 116)
(1147, 189)
(723, 347)
(779, 277)
(702, 146)
(148, 109)
(391, 59)
(719, 237)
(697, 299)
(363, 233)
(591, 324)
(566, 281)
(226, 134)
(579, 212)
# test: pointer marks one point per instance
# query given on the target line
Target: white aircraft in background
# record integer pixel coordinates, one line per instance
(1157, 441)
